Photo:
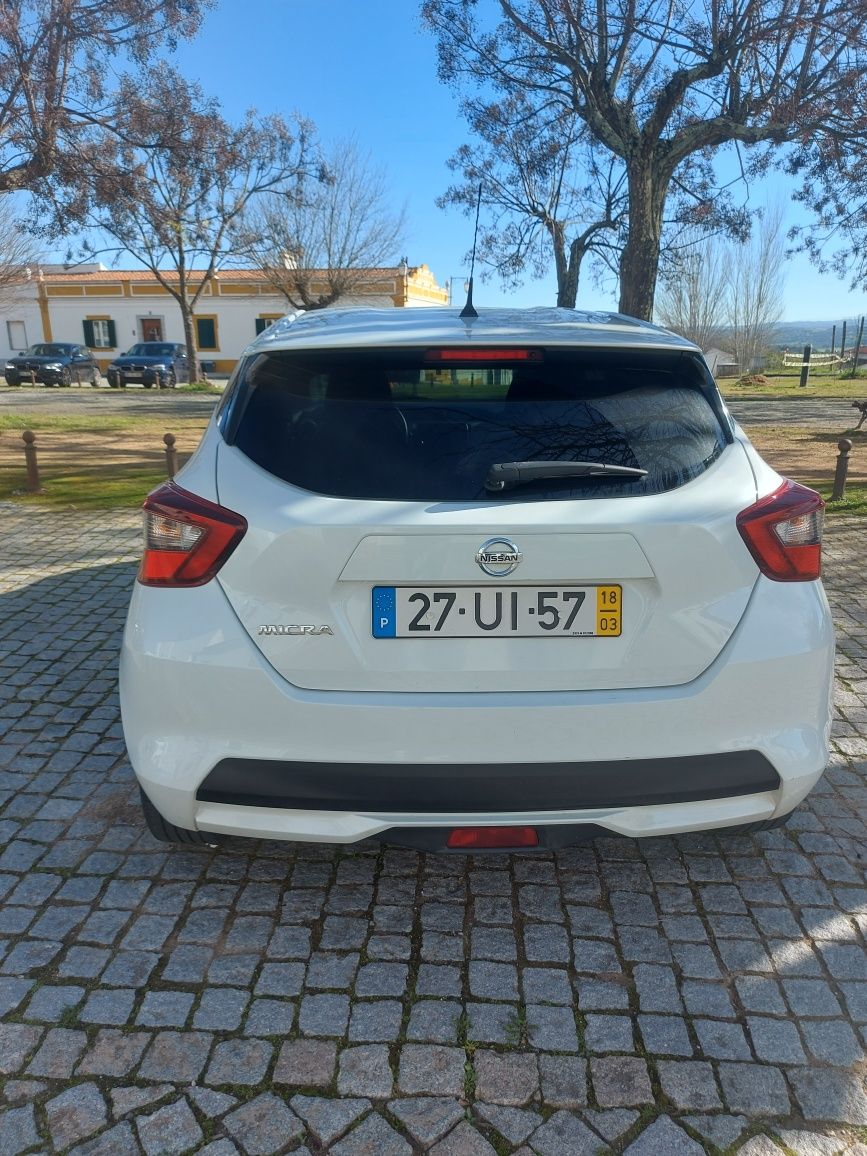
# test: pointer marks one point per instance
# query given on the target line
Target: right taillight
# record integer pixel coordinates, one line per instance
(187, 538)
(783, 532)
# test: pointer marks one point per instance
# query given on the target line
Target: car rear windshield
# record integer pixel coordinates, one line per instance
(415, 424)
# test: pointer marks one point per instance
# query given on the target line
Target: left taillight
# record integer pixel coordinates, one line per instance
(186, 538)
(783, 532)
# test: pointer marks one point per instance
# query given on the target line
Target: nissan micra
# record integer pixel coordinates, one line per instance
(480, 583)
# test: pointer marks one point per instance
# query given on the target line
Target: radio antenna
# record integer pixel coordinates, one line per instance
(468, 310)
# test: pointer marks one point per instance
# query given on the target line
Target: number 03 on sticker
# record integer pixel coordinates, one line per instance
(497, 612)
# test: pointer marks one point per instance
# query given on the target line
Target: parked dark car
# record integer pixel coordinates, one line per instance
(53, 363)
(161, 363)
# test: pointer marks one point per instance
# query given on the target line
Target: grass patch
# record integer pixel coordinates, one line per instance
(787, 388)
(104, 462)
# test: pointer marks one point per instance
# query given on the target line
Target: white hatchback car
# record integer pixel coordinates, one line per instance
(469, 584)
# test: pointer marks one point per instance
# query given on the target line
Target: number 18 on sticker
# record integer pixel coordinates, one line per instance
(608, 600)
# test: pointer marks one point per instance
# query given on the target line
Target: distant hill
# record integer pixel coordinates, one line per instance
(791, 334)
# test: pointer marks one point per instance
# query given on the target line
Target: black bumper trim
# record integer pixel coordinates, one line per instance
(425, 788)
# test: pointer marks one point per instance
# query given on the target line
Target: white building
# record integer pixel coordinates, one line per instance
(111, 309)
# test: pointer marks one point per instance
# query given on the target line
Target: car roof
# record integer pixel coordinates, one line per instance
(354, 327)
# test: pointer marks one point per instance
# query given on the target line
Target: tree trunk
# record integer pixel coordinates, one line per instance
(190, 342)
(568, 269)
(639, 261)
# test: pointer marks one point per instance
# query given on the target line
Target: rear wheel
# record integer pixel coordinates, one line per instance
(167, 832)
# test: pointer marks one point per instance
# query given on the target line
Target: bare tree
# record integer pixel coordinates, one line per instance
(19, 254)
(175, 198)
(660, 83)
(53, 68)
(756, 281)
(548, 195)
(324, 240)
(693, 289)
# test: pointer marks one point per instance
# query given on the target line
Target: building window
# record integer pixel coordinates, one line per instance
(265, 320)
(17, 335)
(100, 333)
(206, 333)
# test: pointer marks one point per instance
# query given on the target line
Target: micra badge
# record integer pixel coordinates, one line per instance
(293, 629)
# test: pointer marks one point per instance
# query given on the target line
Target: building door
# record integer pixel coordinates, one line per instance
(151, 329)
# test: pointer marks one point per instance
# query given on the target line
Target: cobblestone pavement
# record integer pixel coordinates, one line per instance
(669, 997)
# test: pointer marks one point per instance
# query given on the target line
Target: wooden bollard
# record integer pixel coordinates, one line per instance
(839, 491)
(171, 454)
(34, 486)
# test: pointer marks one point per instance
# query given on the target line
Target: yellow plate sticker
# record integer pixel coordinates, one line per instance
(608, 601)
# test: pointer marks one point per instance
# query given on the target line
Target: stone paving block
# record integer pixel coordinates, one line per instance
(375, 1020)
(372, 1137)
(751, 1090)
(427, 1119)
(306, 1063)
(114, 1053)
(220, 1009)
(510, 1079)
(514, 1124)
(665, 1035)
(176, 1057)
(130, 1099)
(830, 1095)
(264, 1125)
(58, 1054)
(432, 1070)
(438, 1020)
(169, 1131)
(109, 1006)
(463, 1141)
(608, 1033)
(239, 1062)
(722, 1131)
(689, 1085)
(270, 1017)
(18, 1130)
(365, 1071)
(75, 1114)
(323, 1015)
(552, 1029)
(563, 1081)
(620, 1081)
(664, 1138)
(832, 1042)
(721, 1041)
(775, 1041)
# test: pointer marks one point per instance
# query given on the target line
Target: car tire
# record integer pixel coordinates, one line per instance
(148, 384)
(13, 380)
(167, 832)
(171, 380)
(65, 378)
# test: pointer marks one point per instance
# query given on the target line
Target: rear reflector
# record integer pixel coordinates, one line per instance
(187, 538)
(483, 355)
(783, 532)
(470, 838)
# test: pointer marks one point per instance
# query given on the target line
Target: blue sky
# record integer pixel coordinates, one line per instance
(367, 68)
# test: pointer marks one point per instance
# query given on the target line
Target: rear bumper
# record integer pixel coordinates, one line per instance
(512, 787)
(197, 698)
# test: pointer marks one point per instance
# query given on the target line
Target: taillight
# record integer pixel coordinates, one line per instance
(783, 532)
(186, 538)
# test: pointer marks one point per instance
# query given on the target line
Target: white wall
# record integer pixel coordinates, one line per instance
(19, 304)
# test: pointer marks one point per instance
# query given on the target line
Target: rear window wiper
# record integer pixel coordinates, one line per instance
(507, 475)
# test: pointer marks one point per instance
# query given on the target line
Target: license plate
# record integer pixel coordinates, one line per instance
(497, 611)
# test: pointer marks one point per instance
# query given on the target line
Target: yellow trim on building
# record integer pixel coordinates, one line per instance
(103, 290)
(43, 310)
(65, 290)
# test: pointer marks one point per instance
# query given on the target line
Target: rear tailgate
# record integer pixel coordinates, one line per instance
(309, 560)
